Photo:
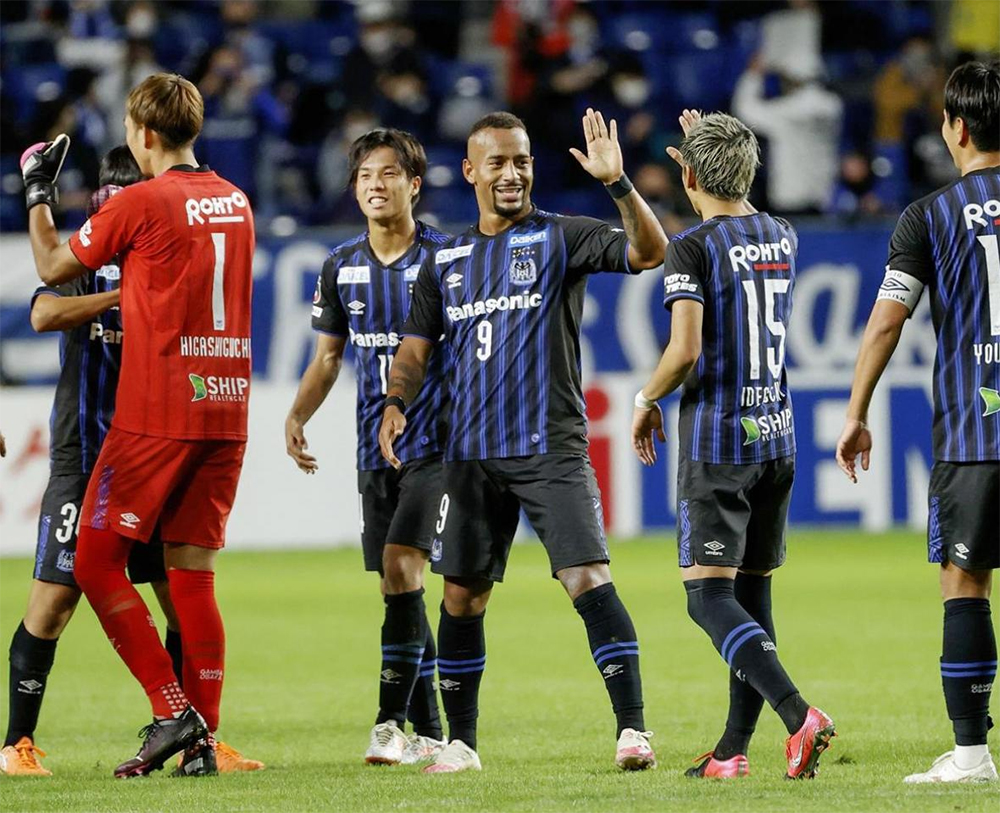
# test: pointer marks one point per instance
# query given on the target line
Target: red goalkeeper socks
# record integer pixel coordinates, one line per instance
(203, 639)
(99, 569)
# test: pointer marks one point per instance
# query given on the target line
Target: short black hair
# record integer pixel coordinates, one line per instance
(501, 120)
(973, 94)
(409, 152)
(119, 168)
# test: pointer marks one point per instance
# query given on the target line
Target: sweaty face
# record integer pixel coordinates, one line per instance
(382, 188)
(501, 169)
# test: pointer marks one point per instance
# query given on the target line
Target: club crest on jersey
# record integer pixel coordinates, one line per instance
(522, 268)
(354, 275)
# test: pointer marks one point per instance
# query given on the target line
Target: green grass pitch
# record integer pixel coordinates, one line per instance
(859, 628)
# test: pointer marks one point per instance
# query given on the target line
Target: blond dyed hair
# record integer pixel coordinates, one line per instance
(724, 155)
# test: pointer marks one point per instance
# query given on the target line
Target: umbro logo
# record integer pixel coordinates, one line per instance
(612, 669)
(714, 548)
(447, 685)
(129, 520)
(453, 280)
(30, 687)
(390, 676)
(961, 551)
(893, 284)
(356, 308)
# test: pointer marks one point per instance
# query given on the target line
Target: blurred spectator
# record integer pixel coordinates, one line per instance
(802, 126)
(91, 19)
(664, 197)
(403, 100)
(242, 120)
(854, 196)
(113, 86)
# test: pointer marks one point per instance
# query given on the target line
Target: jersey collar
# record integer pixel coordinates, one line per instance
(189, 168)
(407, 259)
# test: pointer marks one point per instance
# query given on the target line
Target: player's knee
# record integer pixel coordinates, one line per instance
(403, 568)
(583, 578)
(956, 582)
(466, 597)
(50, 608)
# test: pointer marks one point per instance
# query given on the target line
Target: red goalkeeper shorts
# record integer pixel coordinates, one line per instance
(186, 486)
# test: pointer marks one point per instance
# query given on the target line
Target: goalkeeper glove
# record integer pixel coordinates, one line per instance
(40, 165)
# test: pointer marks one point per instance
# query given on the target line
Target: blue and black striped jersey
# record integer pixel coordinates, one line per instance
(736, 407)
(360, 298)
(509, 306)
(90, 358)
(948, 242)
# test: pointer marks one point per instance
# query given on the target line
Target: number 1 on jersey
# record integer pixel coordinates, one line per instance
(991, 245)
(384, 366)
(218, 279)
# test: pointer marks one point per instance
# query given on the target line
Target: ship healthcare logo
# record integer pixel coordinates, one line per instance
(767, 427)
(219, 388)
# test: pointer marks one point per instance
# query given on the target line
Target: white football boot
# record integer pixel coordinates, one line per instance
(634, 751)
(454, 757)
(421, 749)
(944, 769)
(387, 744)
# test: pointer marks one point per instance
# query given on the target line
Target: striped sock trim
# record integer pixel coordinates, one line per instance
(737, 637)
(461, 667)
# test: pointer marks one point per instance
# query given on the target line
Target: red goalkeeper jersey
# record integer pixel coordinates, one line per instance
(186, 239)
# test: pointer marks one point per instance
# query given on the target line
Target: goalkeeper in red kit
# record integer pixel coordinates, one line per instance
(175, 448)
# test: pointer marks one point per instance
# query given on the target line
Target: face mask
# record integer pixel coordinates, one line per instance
(377, 43)
(631, 92)
(141, 23)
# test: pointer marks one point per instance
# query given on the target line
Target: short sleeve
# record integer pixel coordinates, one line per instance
(684, 272)
(910, 246)
(593, 246)
(328, 315)
(110, 230)
(426, 320)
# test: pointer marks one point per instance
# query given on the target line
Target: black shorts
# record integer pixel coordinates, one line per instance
(733, 516)
(963, 521)
(399, 507)
(58, 525)
(481, 506)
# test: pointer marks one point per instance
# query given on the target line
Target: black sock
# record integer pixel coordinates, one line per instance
(403, 635)
(172, 643)
(423, 711)
(461, 661)
(968, 667)
(745, 646)
(754, 595)
(30, 661)
(615, 648)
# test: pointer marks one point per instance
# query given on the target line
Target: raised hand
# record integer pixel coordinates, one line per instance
(40, 166)
(687, 119)
(604, 154)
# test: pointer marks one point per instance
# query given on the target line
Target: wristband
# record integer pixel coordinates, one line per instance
(396, 401)
(620, 188)
(642, 402)
(41, 192)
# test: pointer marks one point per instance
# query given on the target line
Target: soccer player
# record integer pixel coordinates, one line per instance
(948, 242)
(508, 296)
(362, 297)
(728, 285)
(173, 455)
(86, 310)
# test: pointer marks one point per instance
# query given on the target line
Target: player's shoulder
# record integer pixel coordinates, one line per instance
(432, 237)
(343, 250)
(697, 234)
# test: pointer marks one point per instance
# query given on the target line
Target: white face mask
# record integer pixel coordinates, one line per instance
(141, 23)
(631, 91)
(377, 43)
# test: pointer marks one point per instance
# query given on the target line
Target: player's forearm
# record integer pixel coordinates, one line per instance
(409, 368)
(64, 313)
(877, 346)
(675, 365)
(317, 381)
(50, 255)
(647, 240)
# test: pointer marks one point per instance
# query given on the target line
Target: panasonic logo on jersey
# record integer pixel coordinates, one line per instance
(482, 307)
(374, 339)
